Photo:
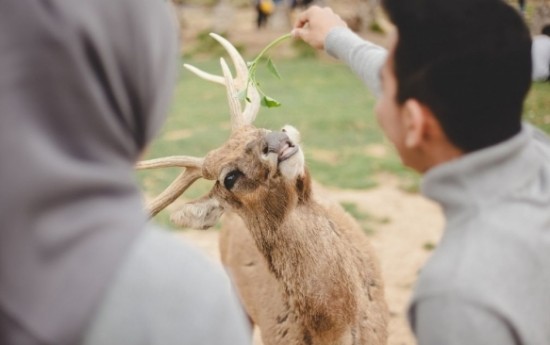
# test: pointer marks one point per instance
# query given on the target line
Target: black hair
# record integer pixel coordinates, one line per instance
(469, 61)
(546, 30)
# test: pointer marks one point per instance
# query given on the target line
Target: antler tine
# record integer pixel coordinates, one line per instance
(205, 75)
(174, 190)
(171, 161)
(185, 179)
(240, 65)
(253, 107)
(239, 117)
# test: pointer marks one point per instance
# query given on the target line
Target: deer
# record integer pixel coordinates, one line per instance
(302, 266)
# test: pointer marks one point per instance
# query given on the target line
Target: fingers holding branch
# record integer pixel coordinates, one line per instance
(314, 24)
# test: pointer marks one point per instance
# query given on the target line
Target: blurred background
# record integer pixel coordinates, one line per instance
(319, 95)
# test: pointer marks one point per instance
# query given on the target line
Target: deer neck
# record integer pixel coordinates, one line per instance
(291, 230)
(301, 247)
(271, 220)
(291, 236)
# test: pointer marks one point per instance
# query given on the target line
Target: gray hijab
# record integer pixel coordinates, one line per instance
(84, 85)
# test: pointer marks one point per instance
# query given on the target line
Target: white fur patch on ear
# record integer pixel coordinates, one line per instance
(199, 214)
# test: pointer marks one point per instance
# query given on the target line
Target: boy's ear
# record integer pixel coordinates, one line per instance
(421, 125)
(414, 123)
(199, 214)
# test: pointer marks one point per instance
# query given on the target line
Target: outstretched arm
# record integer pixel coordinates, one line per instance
(321, 28)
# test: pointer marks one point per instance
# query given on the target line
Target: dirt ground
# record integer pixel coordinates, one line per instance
(412, 224)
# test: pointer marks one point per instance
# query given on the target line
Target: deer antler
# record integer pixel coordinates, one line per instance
(239, 118)
(192, 172)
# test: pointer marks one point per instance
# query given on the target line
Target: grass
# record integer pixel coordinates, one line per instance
(537, 106)
(367, 221)
(343, 144)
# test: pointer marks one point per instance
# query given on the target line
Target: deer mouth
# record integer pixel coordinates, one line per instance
(287, 150)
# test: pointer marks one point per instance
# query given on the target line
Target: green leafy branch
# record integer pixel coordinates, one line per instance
(266, 101)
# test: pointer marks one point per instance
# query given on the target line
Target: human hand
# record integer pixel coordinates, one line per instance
(314, 24)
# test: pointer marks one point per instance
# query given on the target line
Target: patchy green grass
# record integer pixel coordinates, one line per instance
(537, 106)
(333, 110)
(367, 221)
(429, 246)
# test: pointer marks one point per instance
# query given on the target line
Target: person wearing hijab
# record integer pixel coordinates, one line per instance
(84, 87)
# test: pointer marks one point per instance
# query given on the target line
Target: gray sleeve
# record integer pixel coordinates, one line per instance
(364, 58)
(168, 293)
(453, 321)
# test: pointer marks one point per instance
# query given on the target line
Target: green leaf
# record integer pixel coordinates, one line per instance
(271, 67)
(252, 65)
(270, 102)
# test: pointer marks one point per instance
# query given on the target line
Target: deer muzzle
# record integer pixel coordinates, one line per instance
(280, 143)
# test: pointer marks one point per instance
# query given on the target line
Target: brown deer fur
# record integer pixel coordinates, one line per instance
(303, 267)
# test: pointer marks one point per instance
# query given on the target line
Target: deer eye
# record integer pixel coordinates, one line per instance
(231, 178)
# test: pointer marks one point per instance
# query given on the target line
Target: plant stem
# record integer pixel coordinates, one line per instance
(271, 45)
(254, 63)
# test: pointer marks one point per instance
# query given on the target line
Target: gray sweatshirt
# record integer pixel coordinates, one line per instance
(488, 282)
(166, 292)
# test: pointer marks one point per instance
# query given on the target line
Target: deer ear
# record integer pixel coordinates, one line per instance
(202, 213)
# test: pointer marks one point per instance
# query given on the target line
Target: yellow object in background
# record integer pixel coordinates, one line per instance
(267, 6)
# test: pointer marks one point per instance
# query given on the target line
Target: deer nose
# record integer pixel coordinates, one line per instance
(276, 141)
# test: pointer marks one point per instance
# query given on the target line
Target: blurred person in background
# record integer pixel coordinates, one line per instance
(264, 8)
(540, 51)
(84, 88)
(521, 6)
(450, 99)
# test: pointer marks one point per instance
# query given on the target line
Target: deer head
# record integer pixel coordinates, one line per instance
(256, 170)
